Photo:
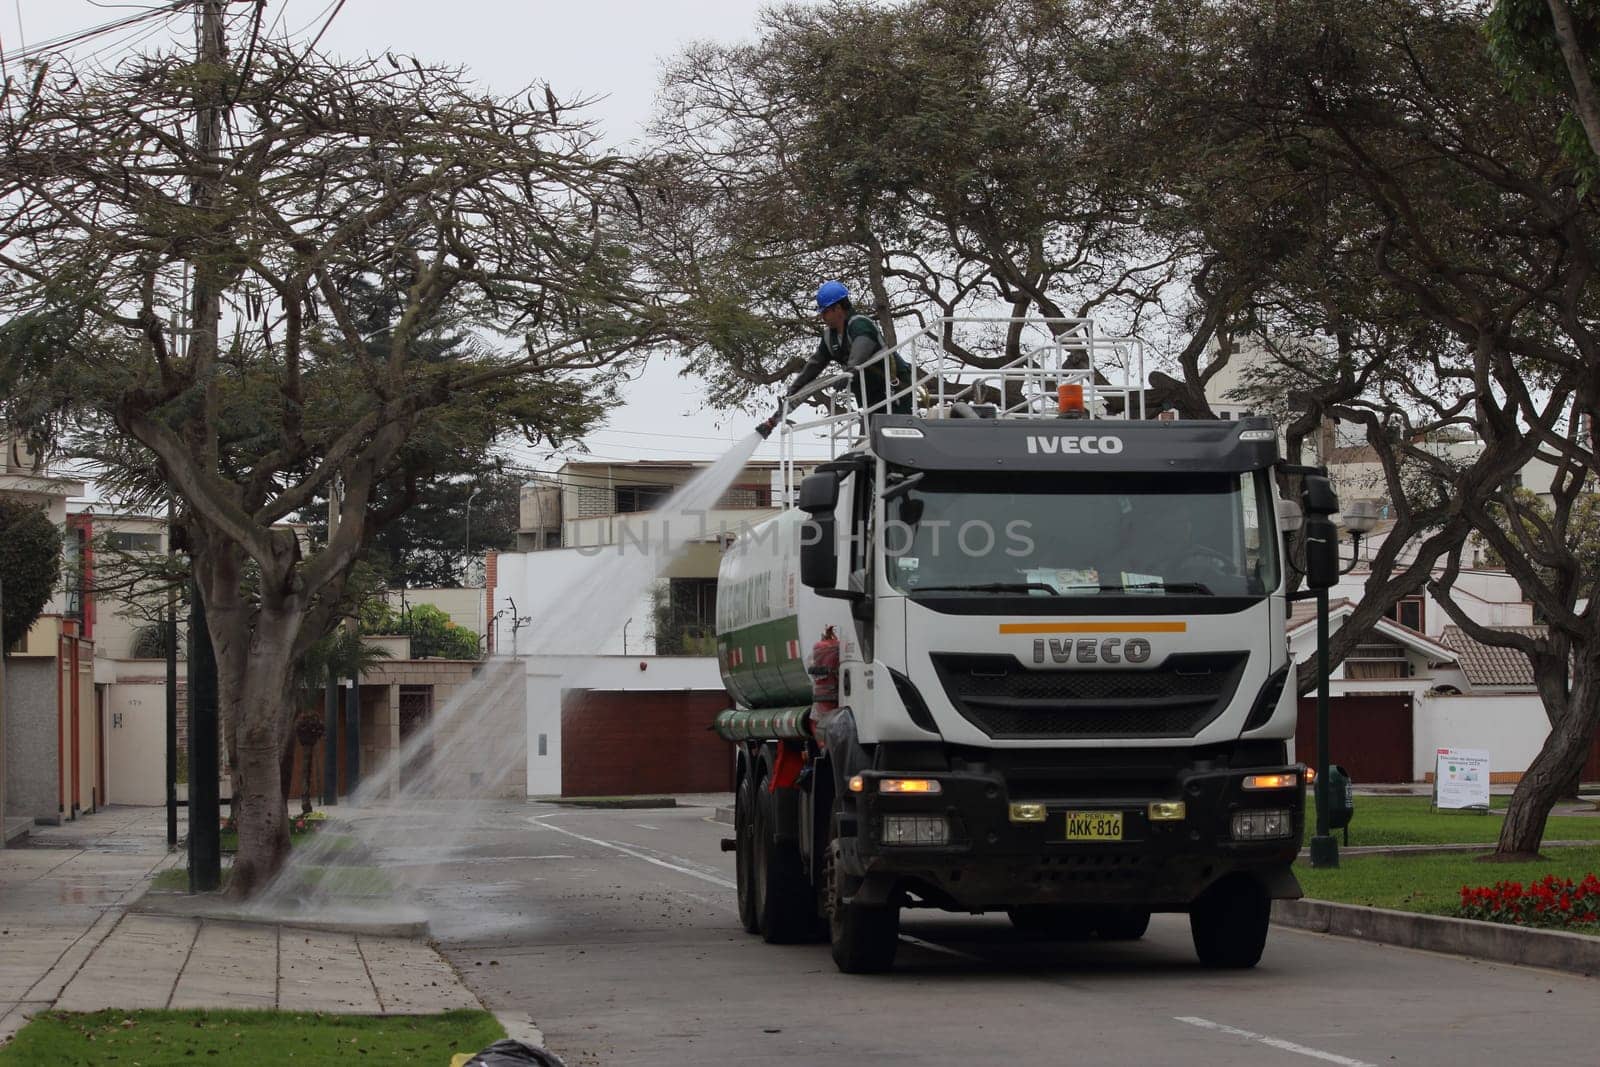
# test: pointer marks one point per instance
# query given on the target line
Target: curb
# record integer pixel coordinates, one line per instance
(192, 906)
(724, 815)
(519, 1026)
(1424, 850)
(1554, 950)
(610, 802)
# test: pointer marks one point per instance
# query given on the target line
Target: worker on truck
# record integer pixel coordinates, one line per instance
(850, 339)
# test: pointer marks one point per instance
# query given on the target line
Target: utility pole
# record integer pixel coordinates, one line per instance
(466, 568)
(2, 733)
(205, 808)
(171, 633)
(205, 812)
(330, 700)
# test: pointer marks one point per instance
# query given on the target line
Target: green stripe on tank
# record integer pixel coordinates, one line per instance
(780, 681)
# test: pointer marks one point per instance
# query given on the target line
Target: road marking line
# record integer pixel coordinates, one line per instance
(636, 854)
(1275, 1042)
(932, 947)
(646, 826)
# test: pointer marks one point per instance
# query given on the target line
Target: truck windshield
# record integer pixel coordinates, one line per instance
(1102, 535)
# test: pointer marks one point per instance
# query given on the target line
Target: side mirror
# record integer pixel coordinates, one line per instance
(1322, 552)
(1320, 503)
(819, 493)
(1317, 496)
(819, 553)
(819, 542)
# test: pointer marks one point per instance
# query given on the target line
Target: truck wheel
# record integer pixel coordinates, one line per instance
(863, 939)
(785, 907)
(1229, 923)
(1123, 924)
(1055, 922)
(744, 835)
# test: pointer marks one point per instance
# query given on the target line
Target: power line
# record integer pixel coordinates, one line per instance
(55, 44)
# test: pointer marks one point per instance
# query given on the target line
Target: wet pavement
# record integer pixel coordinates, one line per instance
(617, 931)
(69, 941)
(60, 896)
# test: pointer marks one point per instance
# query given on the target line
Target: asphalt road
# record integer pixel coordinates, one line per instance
(617, 932)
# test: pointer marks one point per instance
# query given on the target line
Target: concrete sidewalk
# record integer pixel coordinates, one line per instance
(152, 961)
(67, 941)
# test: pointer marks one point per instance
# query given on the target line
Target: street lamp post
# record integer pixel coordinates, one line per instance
(466, 565)
(1314, 513)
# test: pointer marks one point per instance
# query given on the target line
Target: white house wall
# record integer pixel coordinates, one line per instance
(1510, 728)
(1489, 597)
(542, 585)
(136, 743)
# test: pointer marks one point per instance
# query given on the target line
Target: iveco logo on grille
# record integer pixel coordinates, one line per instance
(1053, 445)
(1092, 650)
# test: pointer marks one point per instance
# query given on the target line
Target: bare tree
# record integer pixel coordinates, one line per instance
(325, 174)
(1463, 270)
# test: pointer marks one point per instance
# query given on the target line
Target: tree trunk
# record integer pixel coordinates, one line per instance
(1553, 770)
(261, 704)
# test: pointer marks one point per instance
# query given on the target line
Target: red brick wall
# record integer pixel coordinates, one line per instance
(491, 577)
(625, 743)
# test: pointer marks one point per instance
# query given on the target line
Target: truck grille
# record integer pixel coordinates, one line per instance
(1006, 700)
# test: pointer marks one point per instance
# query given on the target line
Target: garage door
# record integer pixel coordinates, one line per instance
(1369, 736)
(617, 743)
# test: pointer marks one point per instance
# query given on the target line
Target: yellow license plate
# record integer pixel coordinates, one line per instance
(1094, 826)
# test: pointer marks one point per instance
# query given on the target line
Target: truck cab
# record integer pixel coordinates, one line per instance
(1064, 690)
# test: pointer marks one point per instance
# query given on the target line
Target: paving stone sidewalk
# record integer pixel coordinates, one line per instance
(68, 942)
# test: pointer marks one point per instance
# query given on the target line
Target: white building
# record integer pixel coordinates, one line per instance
(622, 683)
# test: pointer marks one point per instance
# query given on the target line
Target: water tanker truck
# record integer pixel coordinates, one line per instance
(1020, 657)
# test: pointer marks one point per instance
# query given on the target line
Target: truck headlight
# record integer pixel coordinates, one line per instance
(1262, 824)
(923, 830)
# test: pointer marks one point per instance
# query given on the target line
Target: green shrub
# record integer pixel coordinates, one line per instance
(30, 566)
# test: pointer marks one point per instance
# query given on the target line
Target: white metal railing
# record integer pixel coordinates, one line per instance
(1110, 369)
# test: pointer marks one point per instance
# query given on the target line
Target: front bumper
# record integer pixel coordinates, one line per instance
(992, 862)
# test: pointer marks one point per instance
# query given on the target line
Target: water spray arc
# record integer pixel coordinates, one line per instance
(389, 853)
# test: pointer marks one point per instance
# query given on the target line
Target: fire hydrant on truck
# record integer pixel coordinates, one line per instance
(1015, 657)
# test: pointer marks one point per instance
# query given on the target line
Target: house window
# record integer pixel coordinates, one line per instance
(123, 541)
(631, 498)
(747, 496)
(686, 615)
(1409, 612)
(72, 553)
(1373, 670)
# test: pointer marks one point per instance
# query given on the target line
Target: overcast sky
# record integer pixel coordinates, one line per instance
(612, 50)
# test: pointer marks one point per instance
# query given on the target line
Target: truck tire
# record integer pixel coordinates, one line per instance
(744, 856)
(1229, 923)
(1123, 924)
(1053, 922)
(785, 905)
(863, 939)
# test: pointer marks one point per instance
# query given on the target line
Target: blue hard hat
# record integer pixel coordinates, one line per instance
(830, 293)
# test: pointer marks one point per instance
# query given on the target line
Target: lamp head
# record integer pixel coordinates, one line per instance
(1361, 516)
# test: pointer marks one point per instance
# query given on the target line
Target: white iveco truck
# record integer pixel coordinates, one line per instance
(1063, 680)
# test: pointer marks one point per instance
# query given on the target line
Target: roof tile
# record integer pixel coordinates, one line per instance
(1492, 666)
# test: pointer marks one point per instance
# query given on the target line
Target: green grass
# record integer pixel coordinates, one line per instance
(357, 882)
(172, 880)
(1431, 883)
(350, 881)
(336, 843)
(1407, 821)
(246, 1038)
